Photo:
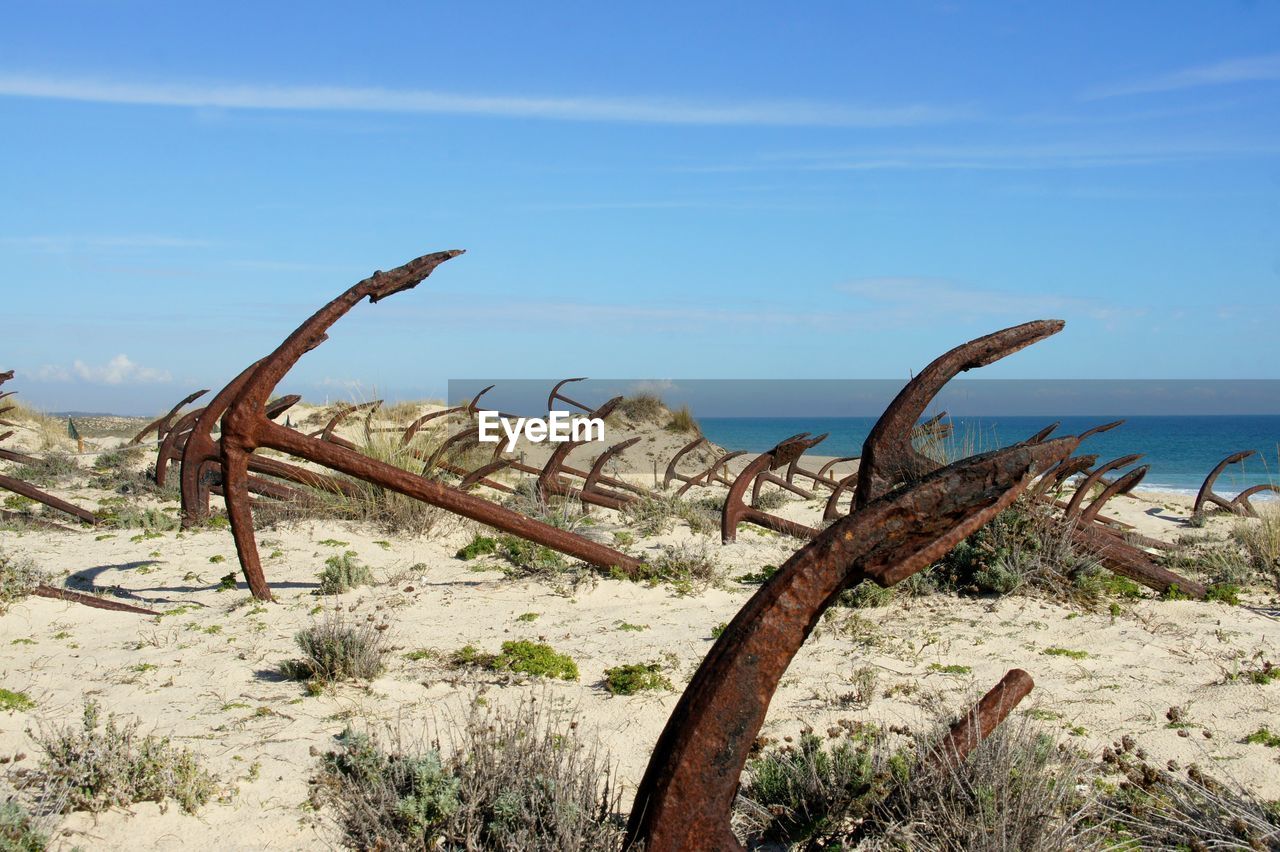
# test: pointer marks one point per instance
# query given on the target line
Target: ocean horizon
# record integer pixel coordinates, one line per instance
(1181, 450)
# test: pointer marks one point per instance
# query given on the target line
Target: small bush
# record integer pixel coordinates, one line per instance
(685, 567)
(18, 576)
(19, 831)
(334, 651)
(513, 780)
(480, 545)
(534, 658)
(770, 500)
(642, 408)
(1260, 540)
(1155, 809)
(635, 677)
(650, 516)
(50, 470)
(682, 422)
(342, 573)
(10, 700)
(815, 791)
(122, 515)
(103, 765)
(866, 595)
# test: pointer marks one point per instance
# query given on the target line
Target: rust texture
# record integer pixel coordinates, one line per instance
(976, 725)
(1238, 506)
(1120, 485)
(686, 796)
(888, 457)
(1076, 503)
(245, 429)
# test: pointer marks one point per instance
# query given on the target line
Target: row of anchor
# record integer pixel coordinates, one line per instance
(899, 512)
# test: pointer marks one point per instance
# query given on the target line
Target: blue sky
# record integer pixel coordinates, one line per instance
(727, 190)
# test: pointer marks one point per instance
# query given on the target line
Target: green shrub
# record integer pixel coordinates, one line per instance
(770, 500)
(534, 658)
(10, 700)
(49, 470)
(810, 792)
(103, 765)
(1065, 652)
(866, 595)
(480, 545)
(342, 573)
(19, 831)
(635, 677)
(513, 780)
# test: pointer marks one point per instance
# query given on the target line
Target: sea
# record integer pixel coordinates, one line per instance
(1181, 450)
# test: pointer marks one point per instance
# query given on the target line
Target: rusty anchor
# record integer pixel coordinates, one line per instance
(1240, 505)
(245, 429)
(888, 455)
(685, 798)
(736, 509)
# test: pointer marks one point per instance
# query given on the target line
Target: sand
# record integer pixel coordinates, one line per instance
(205, 672)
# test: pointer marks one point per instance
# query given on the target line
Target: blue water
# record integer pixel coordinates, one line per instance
(1180, 450)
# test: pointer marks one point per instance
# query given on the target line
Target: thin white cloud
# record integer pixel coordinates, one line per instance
(1016, 157)
(369, 99)
(924, 298)
(63, 243)
(120, 370)
(1248, 69)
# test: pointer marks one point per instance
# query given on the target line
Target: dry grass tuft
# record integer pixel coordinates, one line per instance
(513, 780)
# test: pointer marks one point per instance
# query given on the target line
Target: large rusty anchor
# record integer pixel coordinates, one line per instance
(245, 429)
(686, 796)
(889, 457)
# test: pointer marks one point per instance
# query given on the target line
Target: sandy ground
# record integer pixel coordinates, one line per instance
(205, 672)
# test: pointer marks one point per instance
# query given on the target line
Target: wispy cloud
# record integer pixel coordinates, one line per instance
(1248, 69)
(921, 299)
(63, 243)
(1013, 157)
(643, 110)
(120, 370)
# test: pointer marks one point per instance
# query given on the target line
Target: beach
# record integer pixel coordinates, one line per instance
(206, 671)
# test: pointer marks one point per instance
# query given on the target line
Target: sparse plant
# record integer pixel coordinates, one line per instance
(686, 567)
(10, 700)
(333, 651)
(642, 407)
(342, 573)
(512, 780)
(682, 422)
(770, 500)
(18, 576)
(104, 764)
(19, 830)
(655, 515)
(48, 470)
